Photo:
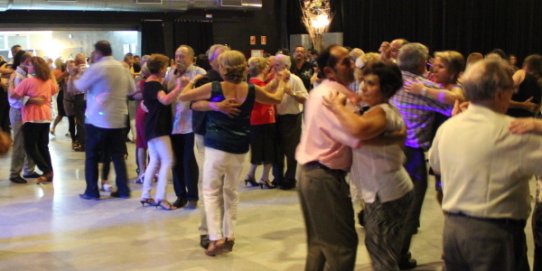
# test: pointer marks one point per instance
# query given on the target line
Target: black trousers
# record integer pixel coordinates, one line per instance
(36, 145)
(114, 141)
(417, 169)
(287, 137)
(185, 170)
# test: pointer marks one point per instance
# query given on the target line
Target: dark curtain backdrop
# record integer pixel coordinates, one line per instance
(197, 34)
(152, 37)
(463, 25)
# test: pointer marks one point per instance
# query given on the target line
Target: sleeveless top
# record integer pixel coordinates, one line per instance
(225, 133)
(377, 171)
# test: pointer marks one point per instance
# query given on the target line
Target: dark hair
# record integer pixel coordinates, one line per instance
(326, 59)
(18, 59)
(156, 62)
(203, 62)
(533, 63)
(499, 52)
(41, 68)
(103, 47)
(389, 75)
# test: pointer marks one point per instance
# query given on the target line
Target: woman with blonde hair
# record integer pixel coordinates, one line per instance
(262, 127)
(37, 116)
(227, 141)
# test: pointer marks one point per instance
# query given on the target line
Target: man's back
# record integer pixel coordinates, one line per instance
(485, 169)
(108, 84)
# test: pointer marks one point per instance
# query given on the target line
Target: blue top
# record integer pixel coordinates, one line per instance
(225, 133)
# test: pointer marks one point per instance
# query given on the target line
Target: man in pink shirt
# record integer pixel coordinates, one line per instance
(325, 155)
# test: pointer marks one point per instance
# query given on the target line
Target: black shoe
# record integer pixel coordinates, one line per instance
(204, 241)
(287, 184)
(17, 179)
(407, 263)
(116, 194)
(191, 205)
(361, 218)
(180, 202)
(32, 175)
(88, 197)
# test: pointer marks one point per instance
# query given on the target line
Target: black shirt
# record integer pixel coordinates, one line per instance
(528, 88)
(158, 120)
(305, 73)
(198, 117)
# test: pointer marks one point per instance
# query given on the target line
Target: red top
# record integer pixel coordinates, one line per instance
(261, 113)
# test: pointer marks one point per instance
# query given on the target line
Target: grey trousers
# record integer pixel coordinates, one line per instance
(483, 244)
(385, 231)
(19, 160)
(329, 220)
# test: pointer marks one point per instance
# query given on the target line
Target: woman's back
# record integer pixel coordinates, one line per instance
(230, 134)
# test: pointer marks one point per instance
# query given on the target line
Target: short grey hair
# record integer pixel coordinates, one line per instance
(485, 78)
(284, 59)
(212, 50)
(188, 48)
(411, 55)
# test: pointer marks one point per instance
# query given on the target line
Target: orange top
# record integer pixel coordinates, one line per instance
(34, 88)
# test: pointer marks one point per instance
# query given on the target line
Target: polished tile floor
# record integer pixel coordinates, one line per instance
(48, 227)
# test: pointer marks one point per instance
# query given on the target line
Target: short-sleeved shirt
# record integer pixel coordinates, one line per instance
(158, 119)
(225, 133)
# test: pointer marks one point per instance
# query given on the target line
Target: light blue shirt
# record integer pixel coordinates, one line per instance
(107, 84)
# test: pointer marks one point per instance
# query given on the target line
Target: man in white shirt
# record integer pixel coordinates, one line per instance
(185, 171)
(485, 173)
(288, 123)
(107, 83)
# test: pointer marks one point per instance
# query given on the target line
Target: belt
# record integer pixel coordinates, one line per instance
(316, 164)
(498, 221)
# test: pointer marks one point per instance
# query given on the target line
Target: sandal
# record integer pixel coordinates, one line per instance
(148, 201)
(165, 205)
(215, 248)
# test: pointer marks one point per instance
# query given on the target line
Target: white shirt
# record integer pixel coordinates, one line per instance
(378, 170)
(19, 76)
(289, 105)
(107, 83)
(485, 169)
(182, 114)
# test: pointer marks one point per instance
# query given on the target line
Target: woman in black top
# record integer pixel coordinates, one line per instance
(157, 130)
(527, 98)
(226, 141)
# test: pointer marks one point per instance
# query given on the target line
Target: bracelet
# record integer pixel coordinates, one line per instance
(423, 92)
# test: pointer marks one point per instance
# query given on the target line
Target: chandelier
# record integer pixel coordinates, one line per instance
(316, 16)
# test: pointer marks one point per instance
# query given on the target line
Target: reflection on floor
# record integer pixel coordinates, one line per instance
(48, 227)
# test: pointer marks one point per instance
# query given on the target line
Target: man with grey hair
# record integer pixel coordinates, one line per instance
(288, 123)
(185, 170)
(485, 173)
(418, 112)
